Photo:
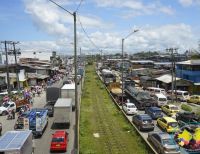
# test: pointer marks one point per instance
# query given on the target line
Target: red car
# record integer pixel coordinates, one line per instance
(59, 141)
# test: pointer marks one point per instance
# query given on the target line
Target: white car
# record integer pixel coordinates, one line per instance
(129, 108)
(6, 107)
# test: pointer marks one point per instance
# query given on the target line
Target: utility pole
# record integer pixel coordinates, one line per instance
(76, 90)
(17, 75)
(173, 72)
(7, 67)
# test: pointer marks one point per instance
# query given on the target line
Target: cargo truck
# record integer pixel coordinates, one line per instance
(52, 94)
(62, 112)
(68, 91)
(35, 120)
(16, 142)
(115, 88)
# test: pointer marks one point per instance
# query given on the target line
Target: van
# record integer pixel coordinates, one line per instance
(160, 99)
(154, 90)
(181, 95)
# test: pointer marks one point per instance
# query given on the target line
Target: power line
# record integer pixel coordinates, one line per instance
(87, 34)
(61, 7)
(79, 5)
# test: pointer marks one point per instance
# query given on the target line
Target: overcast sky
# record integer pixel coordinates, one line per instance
(40, 25)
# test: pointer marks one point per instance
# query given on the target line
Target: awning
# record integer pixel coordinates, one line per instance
(167, 78)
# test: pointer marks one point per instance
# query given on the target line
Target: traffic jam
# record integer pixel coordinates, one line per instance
(158, 115)
(32, 120)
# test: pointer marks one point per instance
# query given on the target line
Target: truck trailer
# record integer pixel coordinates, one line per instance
(16, 142)
(35, 120)
(52, 94)
(62, 112)
(68, 91)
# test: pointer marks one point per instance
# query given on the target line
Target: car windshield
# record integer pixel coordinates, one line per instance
(58, 139)
(131, 106)
(143, 95)
(162, 99)
(146, 121)
(157, 112)
(174, 108)
(185, 94)
(5, 105)
(173, 124)
(168, 141)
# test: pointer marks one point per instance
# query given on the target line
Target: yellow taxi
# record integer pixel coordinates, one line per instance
(168, 124)
(170, 109)
(194, 99)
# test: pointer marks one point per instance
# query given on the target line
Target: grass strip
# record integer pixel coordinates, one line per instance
(99, 115)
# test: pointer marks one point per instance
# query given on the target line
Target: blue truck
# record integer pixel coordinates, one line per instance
(36, 120)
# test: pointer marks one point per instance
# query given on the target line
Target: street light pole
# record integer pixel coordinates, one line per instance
(122, 70)
(123, 61)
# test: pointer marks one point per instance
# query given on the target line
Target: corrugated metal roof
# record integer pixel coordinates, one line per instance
(13, 140)
(167, 78)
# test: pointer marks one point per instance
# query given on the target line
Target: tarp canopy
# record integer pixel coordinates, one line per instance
(167, 78)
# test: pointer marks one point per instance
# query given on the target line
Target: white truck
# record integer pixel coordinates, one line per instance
(68, 91)
(16, 142)
(63, 111)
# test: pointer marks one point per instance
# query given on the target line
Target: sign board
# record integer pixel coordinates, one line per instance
(26, 123)
(38, 124)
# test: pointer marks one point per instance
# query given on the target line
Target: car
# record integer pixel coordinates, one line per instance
(163, 143)
(187, 118)
(194, 99)
(59, 141)
(154, 112)
(170, 109)
(129, 108)
(143, 122)
(50, 109)
(168, 124)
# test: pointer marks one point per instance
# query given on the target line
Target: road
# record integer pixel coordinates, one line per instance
(43, 143)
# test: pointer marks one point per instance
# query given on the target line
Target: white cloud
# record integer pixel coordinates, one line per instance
(54, 21)
(148, 38)
(50, 19)
(137, 7)
(187, 3)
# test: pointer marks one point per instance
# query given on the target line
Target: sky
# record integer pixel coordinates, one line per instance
(40, 25)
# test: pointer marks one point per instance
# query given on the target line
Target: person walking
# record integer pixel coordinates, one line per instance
(13, 114)
(33, 146)
(0, 128)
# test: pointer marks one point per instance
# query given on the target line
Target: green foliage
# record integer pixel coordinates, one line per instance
(186, 107)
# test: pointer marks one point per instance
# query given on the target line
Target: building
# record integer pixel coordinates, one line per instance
(190, 70)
